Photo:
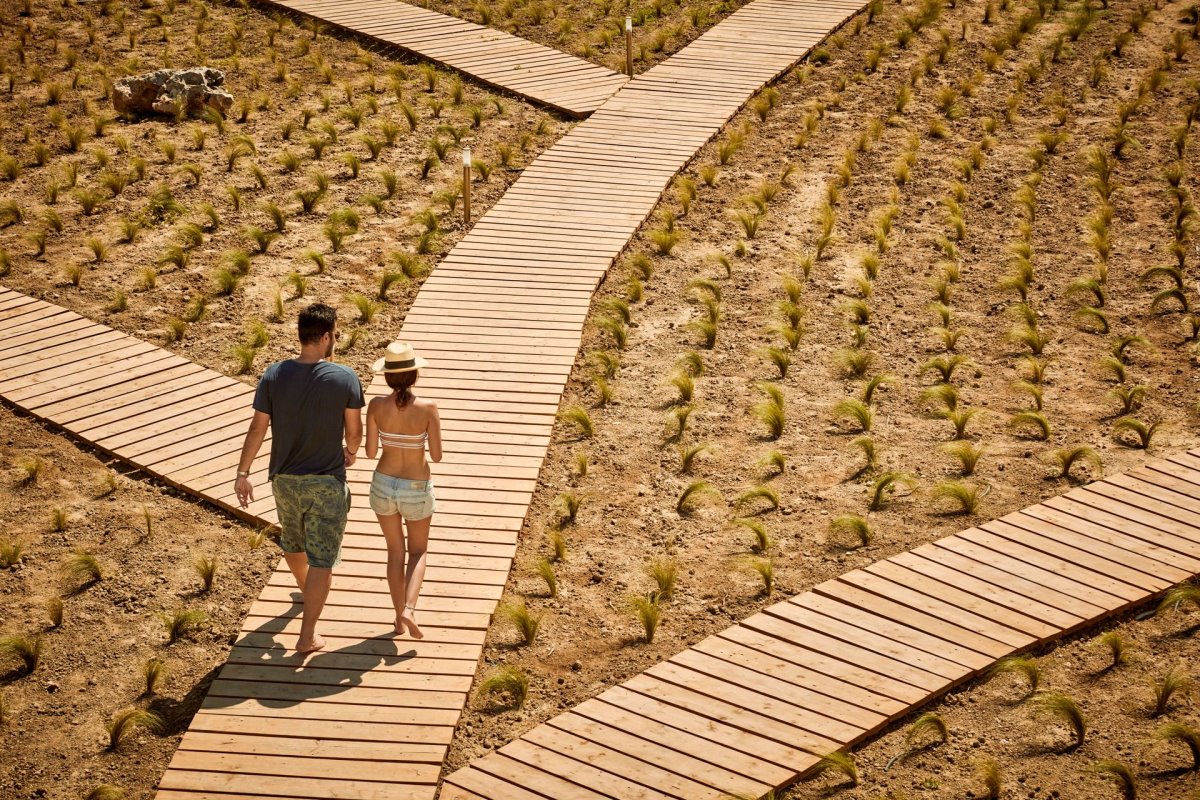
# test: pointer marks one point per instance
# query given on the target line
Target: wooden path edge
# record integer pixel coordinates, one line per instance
(754, 707)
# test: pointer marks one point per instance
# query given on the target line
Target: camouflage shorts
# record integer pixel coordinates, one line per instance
(312, 513)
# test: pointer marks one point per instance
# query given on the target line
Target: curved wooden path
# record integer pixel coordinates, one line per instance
(755, 706)
(542, 74)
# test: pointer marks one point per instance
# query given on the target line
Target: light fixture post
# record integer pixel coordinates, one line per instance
(466, 186)
(629, 46)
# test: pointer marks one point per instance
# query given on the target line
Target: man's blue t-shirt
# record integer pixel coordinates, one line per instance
(306, 403)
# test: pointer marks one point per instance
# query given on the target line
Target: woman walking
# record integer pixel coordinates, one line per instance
(401, 491)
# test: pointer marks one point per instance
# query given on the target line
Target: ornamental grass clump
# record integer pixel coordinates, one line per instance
(1024, 665)
(206, 568)
(885, 487)
(840, 763)
(1067, 457)
(1166, 687)
(1120, 774)
(648, 611)
(686, 502)
(523, 620)
(81, 570)
(963, 497)
(154, 671)
(579, 417)
(1179, 732)
(545, 570)
(1068, 711)
(182, 622)
(853, 525)
(125, 723)
(26, 649)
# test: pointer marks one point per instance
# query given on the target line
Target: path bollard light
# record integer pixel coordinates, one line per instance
(466, 185)
(629, 46)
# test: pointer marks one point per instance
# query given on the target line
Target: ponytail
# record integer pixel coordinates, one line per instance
(402, 383)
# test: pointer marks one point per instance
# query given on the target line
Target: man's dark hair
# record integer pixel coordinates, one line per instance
(316, 321)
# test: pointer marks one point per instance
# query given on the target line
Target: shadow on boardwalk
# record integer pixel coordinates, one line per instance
(289, 678)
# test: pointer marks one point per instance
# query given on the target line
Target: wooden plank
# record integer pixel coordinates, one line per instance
(702, 776)
(698, 761)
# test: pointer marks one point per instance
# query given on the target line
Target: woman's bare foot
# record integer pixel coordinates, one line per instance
(409, 622)
(311, 647)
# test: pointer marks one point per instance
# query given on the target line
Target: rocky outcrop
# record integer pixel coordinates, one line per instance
(166, 91)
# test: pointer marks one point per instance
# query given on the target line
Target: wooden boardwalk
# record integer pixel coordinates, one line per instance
(754, 706)
(500, 320)
(542, 74)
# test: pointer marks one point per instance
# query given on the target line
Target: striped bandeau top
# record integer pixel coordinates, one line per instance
(406, 441)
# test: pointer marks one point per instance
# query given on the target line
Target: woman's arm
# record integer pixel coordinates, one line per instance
(372, 430)
(435, 433)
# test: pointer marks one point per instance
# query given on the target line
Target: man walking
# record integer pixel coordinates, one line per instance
(309, 404)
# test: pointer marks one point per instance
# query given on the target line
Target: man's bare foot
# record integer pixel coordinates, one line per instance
(409, 622)
(311, 647)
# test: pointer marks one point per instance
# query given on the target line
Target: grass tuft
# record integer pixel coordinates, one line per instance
(1179, 732)
(855, 525)
(1142, 430)
(153, 673)
(1024, 665)
(928, 722)
(1120, 774)
(664, 572)
(762, 540)
(1167, 687)
(179, 623)
(1068, 711)
(764, 566)
(106, 791)
(886, 485)
(579, 417)
(686, 502)
(206, 568)
(1067, 457)
(989, 775)
(750, 496)
(26, 649)
(507, 687)
(545, 570)
(965, 497)
(526, 622)
(82, 569)
(125, 723)
(838, 762)
(1032, 419)
(649, 614)
(858, 413)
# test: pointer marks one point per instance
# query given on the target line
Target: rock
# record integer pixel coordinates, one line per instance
(165, 91)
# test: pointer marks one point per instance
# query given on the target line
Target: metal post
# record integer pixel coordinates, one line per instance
(466, 188)
(629, 46)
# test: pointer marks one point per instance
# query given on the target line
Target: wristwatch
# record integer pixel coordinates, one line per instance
(241, 474)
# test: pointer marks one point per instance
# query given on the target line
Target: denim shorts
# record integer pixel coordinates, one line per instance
(312, 513)
(412, 500)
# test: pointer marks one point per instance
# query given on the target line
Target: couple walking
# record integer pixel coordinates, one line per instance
(311, 405)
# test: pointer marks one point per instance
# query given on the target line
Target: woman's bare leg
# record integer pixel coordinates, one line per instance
(393, 534)
(418, 545)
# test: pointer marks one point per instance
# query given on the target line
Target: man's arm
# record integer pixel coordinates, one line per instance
(353, 433)
(250, 447)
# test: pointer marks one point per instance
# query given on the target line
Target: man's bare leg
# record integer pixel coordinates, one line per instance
(298, 564)
(316, 590)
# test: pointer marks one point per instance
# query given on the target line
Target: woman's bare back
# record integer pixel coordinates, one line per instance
(416, 418)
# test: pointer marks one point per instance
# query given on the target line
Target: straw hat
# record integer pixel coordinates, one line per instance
(400, 358)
